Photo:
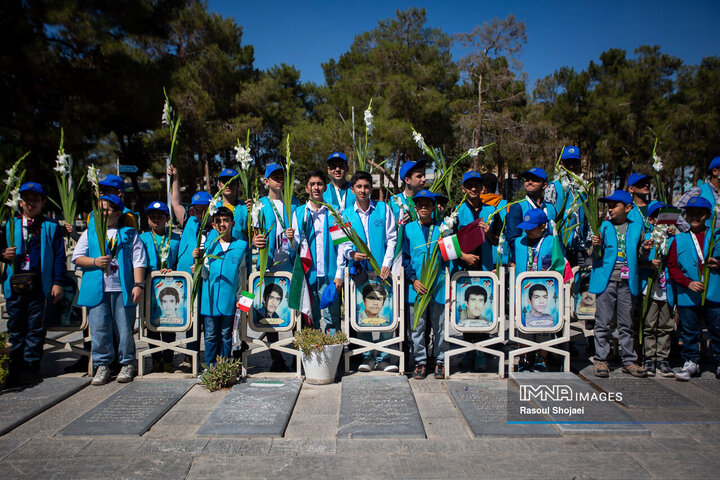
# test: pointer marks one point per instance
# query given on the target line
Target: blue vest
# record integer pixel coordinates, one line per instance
(47, 256)
(543, 257)
(330, 196)
(220, 288)
(414, 246)
(270, 224)
(151, 252)
(188, 242)
(547, 207)
(707, 193)
(92, 287)
(603, 267)
(488, 251)
(376, 223)
(687, 259)
(306, 229)
(241, 219)
(636, 215)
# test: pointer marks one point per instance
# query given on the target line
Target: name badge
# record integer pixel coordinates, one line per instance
(624, 272)
(25, 264)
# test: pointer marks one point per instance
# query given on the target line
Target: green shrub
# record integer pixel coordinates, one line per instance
(224, 374)
(313, 340)
(4, 359)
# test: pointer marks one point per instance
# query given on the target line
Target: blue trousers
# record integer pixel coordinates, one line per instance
(691, 327)
(26, 326)
(112, 319)
(434, 312)
(218, 337)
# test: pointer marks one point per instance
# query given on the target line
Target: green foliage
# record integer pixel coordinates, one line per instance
(224, 374)
(313, 340)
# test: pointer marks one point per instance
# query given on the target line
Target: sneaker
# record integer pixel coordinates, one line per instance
(386, 367)
(440, 371)
(600, 369)
(185, 366)
(524, 365)
(127, 372)
(635, 370)
(664, 368)
(650, 367)
(102, 375)
(420, 372)
(367, 366)
(540, 364)
(717, 372)
(689, 370)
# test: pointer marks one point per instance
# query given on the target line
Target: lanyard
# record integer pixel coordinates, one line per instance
(472, 209)
(158, 248)
(534, 256)
(700, 254)
(428, 238)
(622, 250)
(277, 214)
(26, 234)
(341, 198)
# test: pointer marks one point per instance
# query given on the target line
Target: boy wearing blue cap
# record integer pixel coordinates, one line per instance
(412, 177)
(615, 280)
(161, 250)
(34, 273)
(421, 236)
(312, 223)
(709, 190)
(686, 261)
(112, 285)
(639, 188)
(535, 181)
(115, 185)
(474, 187)
(366, 216)
(338, 192)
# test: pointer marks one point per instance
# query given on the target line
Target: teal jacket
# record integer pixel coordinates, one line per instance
(220, 288)
(687, 259)
(417, 246)
(152, 254)
(603, 266)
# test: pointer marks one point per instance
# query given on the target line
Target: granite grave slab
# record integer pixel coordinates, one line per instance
(378, 406)
(484, 406)
(257, 407)
(572, 405)
(20, 405)
(709, 384)
(132, 410)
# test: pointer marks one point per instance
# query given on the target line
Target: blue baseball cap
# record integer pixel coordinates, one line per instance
(32, 187)
(227, 173)
(698, 202)
(337, 156)
(533, 218)
(115, 200)
(113, 181)
(159, 206)
(410, 165)
(714, 164)
(272, 168)
(441, 199)
(570, 153)
(201, 198)
(652, 209)
(536, 172)
(635, 178)
(618, 196)
(425, 194)
(470, 175)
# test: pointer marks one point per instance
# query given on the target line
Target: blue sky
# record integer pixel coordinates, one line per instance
(307, 33)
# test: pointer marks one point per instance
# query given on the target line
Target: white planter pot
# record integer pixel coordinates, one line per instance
(320, 367)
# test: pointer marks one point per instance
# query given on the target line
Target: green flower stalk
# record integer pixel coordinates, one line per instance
(11, 197)
(361, 145)
(705, 274)
(244, 161)
(63, 177)
(289, 182)
(100, 216)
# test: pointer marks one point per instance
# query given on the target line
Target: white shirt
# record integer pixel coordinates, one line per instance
(112, 281)
(391, 238)
(318, 219)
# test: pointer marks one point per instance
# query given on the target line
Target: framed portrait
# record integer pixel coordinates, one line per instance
(270, 312)
(583, 300)
(539, 302)
(68, 315)
(373, 306)
(475, 301)
(167, 302)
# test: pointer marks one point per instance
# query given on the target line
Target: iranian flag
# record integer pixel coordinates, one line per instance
(245, 301)
(299, 287)
(450, 248)
(559, 262)
(338, 235)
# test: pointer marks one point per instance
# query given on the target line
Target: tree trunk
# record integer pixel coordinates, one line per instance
(478, 128)
(207, 172)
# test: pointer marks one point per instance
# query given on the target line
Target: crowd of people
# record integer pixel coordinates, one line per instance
(642, 270)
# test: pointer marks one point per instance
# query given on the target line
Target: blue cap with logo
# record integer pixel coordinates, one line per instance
(337, 156)
(115, 200)
(227, 173)
(410, 165)
(272, 168)
(159, 206)
(425, 194)
(533, 218)
(698, 202)
(654, 207)
(535, 172)
(618, 196)
(113, 181)
(714, 164)
(570, 153)
(32, 187)
(470, 175)
(635, 178)
(201, 198)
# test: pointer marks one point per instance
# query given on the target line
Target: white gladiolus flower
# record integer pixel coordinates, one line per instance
(419, 140)
(368, 120)
(443, 228)
(167, 110)
(92, 175)
(255, 214)
(14, 198)
(213, 207)
(62, 166)
(243, 158)
(500, 247)
(657, 163)
(473, 152)
(205, 268)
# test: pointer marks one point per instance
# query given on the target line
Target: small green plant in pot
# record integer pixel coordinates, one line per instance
(320, 354)
(224, 374)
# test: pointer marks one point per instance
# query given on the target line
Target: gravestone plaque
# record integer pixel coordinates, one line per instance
(132, 410)
(20, 405)
(258, 407)
(709, 384)
(376, 406)
(643, 393)
(574, 407)
(484, 406)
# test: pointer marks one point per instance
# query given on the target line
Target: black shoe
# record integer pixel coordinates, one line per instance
(31, 374)
(420, 372)
(81, 366)
(439, 371)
